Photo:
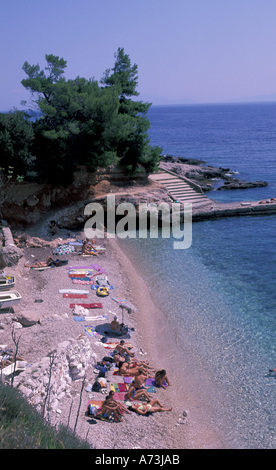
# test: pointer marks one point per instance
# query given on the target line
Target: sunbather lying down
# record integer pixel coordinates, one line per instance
(138, 394)
(126, 369)
(40, 264)
(46, 264)
(152, 407)
(131, 363)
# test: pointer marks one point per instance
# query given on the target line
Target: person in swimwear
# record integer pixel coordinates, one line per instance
(121, 406)
(131, 362)
(139, 380)
(123, 350)
(116, 327)
(152, 407)
(109, 409)
(138, 393)
(87, 248)
(40, 264)
(127, 370)
(161, 377)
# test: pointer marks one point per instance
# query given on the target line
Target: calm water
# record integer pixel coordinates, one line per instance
(220, 294)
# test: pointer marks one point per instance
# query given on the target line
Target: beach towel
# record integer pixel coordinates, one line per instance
(128, 380)
(151, 382)
(113, 345)
(96, 286)
(73, 291)
(148, 383)
(84, 271)
(92, 305)
(79, 268)
(119, 387)
(75, 296)
(93, 407)
(78, 275)
(97, 317)
(97, 403)
(122, 396)
(41, 268)
(123, 387)
(82, 281)
(91, 253)
(63, 249)
(96, 267)
(90, 330)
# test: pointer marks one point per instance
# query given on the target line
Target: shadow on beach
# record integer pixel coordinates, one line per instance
(105, 330)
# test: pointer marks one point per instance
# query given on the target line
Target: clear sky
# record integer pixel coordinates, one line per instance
(201, 51)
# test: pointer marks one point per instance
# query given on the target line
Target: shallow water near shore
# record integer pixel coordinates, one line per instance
(219, 297)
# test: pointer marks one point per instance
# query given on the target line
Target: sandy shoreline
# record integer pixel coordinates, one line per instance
(151, 335)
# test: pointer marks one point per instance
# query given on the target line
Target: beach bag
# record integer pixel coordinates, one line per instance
(102, 372)
(92, 410)
(96, 387)
(102, 382)
(108, 359)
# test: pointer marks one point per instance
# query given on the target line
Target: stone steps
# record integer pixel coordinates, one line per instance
(180, 190)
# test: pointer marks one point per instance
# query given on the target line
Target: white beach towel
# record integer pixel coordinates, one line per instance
(73, 291)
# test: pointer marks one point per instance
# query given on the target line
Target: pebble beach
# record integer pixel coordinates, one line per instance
(149, 335)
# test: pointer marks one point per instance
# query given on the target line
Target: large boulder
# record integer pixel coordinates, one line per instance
(27, 318)
(9, 256)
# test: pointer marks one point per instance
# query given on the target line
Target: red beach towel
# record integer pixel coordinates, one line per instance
(75, 296)
(78, 275)
(93, 305)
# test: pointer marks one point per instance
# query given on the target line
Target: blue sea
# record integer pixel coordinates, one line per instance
(220, 294)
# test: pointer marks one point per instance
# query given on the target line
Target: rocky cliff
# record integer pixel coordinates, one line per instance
(26, 203)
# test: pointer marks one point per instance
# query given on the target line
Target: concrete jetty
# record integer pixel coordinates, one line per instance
(181, 189)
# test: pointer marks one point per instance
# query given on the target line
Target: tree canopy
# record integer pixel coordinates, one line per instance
(16, 137)
(82, 122)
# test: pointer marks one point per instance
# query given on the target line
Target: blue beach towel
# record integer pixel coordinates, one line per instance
(90, 330)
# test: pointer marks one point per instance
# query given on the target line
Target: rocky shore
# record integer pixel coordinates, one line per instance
(204, 175)
(27, 204)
